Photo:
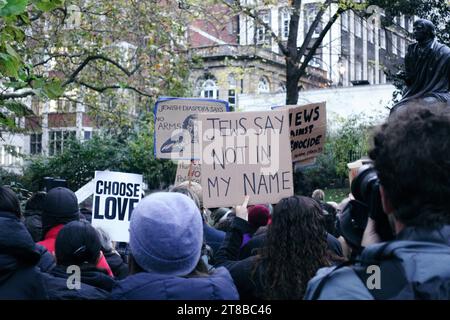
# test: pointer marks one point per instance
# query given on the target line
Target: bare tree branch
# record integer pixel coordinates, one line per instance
(312, 28)
(86, 61)
(105, 88)
(293, 31)
(17, 95)
(58, 55)
(319, 40)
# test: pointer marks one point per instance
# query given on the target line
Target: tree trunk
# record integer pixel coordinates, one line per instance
(292, 79)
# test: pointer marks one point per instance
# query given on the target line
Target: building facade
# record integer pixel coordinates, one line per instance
(233, 64)
(357, 48)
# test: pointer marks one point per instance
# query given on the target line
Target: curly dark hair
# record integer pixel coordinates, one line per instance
(295, 249)
(411, 154)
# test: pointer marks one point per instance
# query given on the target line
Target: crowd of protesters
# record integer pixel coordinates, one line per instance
(298, 248)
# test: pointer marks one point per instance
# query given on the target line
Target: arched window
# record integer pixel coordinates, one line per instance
(209, 89)
(263, 85)
(206, 87)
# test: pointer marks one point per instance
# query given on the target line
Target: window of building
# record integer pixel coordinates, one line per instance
(232, 90)
(87, 135)
(358, 70)
(232, 98)
(371, 73)
(382, 36)
(9, 155)
(263, 85)
(410, 24)
(57, 139)
(209, 89)
(344, 21)
(311, 13)
(65, 105)
(358, 28)
(285, 20)
(382, 77)
(402, 47)
(402, 21)
(371, 31)
(394, 43)
(262, 34)
(36, 143)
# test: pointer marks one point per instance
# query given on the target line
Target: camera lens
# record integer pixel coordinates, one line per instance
(363, 183)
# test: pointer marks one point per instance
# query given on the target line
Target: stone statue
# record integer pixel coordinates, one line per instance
(427, 67)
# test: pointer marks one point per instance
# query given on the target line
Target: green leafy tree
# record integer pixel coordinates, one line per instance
(79, 160)
(113, 56)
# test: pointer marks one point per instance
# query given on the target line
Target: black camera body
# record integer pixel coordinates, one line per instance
(50, 183)
(365, 189)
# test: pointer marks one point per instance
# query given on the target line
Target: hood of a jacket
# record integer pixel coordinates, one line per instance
(440, 235)
(89, 275)
(17, 248)
(151, 286)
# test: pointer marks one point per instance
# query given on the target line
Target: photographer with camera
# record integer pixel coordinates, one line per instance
(410, 182)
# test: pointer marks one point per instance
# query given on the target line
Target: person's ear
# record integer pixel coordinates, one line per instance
(386, 202)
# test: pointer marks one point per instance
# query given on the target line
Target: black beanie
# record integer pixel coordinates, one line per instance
(60, 207)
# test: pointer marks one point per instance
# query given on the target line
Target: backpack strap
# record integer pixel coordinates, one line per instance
(319, 288)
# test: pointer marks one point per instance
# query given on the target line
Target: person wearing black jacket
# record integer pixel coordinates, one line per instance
(20, 278)
(78, 245)
(295, 249)
(33, 215)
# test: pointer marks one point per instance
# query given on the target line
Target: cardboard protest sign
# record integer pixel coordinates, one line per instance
(176, 134)
(305, 163)
(245, 153)
(115, 196)
(308, 128)
(183, 169)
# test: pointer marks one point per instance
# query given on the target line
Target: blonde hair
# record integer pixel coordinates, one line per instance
(318, 195)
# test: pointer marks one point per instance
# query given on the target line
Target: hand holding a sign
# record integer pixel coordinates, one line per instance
(241, 211)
